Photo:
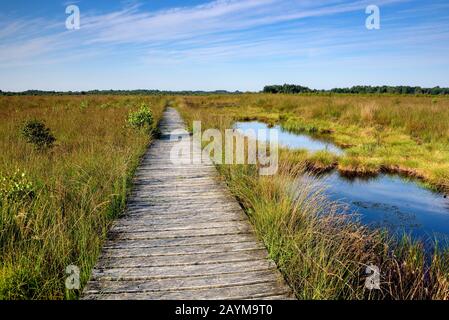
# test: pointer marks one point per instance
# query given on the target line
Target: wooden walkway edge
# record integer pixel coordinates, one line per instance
(183, 237)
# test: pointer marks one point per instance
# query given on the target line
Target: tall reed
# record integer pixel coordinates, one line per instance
(81, 184)
(321, 252)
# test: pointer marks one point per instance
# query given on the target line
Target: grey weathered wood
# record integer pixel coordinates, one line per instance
(182, 225)
(180, 220)
(181, 259)
(173, 271)
(235, 292)
(183, 236)
(170, 234)
(186, 283)
(183, 241)
(137, 251)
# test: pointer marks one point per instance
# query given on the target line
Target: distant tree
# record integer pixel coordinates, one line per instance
(286, 88)
(406, 90)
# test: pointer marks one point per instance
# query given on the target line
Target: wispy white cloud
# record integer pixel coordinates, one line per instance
(218, 30)
(131, 25)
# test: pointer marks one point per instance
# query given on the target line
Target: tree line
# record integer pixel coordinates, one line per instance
(286, 88)
(294, 89)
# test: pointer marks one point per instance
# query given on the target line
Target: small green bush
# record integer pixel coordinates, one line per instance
(36, 133)
(15, 187)
(84, 105)
(141, 118)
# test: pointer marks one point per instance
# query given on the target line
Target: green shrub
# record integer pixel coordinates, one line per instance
(36, 133)
(84, 105)
(15, 187)
(141, 118)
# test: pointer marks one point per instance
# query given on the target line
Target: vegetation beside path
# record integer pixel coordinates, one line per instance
(67, 162)
(65, 172)
(379, 133)
(325, 256)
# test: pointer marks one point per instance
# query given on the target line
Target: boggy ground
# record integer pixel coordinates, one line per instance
(321, 253)
(81, 184)
(78, 186)
(380, 133)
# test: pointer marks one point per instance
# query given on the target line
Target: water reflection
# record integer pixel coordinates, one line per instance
(385, 201)
(292, 140)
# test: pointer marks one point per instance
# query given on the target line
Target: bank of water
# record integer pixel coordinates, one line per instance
(391, 202)
(291, 140)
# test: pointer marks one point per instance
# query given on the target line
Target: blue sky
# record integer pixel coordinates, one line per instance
(224, 44)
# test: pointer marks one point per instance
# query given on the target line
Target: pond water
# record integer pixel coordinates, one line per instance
(291, 140)
(394, 203)
(387, 201)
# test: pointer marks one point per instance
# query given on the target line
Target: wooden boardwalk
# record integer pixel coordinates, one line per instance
(183, 236)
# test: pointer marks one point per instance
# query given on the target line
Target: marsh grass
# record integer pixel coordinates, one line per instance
(80, 184)
(380, 133)
(321, 252)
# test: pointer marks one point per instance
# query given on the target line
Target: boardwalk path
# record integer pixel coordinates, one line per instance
(183, 236)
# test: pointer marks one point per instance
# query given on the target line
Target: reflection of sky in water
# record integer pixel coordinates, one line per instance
(291, 140)
(394, 203)
(385, 201)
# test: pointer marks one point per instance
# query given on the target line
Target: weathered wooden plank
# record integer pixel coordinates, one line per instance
(185, 190)
(180, 259)
(148, 235)
(190, 204)
(169, 218)
(198, 201)
(179, 220)
(147, 273)
(217, 240)
(185, 195)
(166, 184)
(187, 283)
(141, 206)
(138, 249)
(182, 225)
(219, 293)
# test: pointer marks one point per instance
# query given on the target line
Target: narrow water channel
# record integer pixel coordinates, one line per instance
(386, 201)
(291, 140)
